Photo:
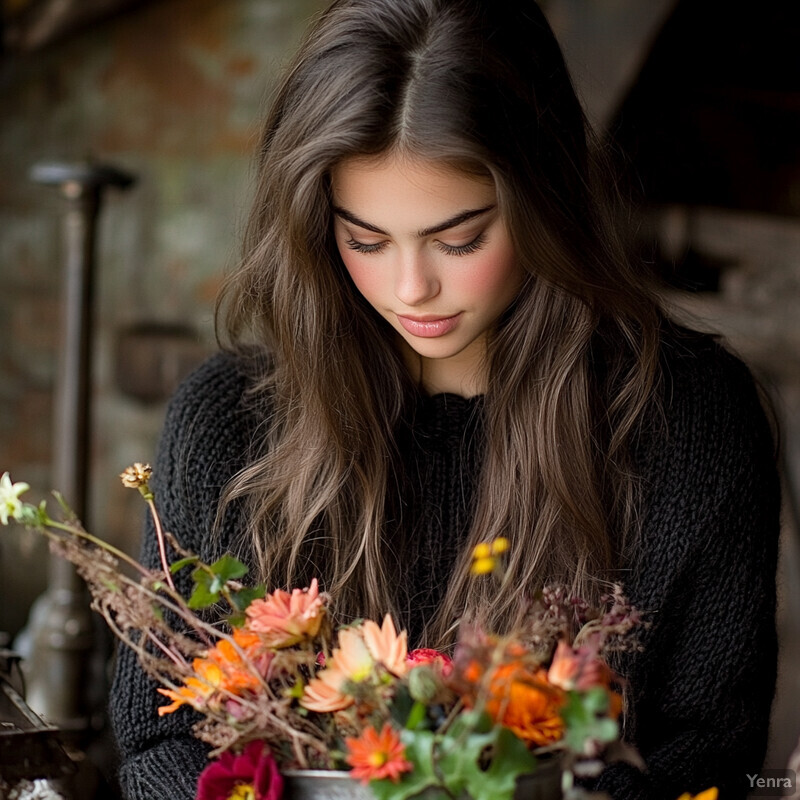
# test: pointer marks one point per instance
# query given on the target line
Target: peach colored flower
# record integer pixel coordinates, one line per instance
(284, 619)
(352, 658)
(578, 669)
(583, 669)
(351, 661)
(322, 694)
(385, 646)
(374, 756)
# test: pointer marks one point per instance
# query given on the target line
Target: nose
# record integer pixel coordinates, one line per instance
(416, 279)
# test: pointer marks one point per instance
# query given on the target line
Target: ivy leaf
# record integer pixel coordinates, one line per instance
(181, 563)
(228, 568)
(210, 580)
(419, 751)
(236, 620)
(244, 597)
(202, 597)
(584, 716)
(460, 751)
(511, 758)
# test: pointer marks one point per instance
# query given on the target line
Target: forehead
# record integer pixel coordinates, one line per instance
(407, 192)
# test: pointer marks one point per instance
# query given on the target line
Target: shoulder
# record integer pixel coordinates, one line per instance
(214, 388)
(708, 396)
(206, 438)
(708, 460)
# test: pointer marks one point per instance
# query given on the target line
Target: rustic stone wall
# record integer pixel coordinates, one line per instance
(172, 92)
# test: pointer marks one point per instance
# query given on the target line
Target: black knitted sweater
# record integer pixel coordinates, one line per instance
(703, 684)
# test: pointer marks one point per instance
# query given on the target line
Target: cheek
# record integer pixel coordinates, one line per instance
(364, 278)
(498, 274)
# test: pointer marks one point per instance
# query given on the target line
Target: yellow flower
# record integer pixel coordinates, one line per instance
(708, 794)
(484, 555)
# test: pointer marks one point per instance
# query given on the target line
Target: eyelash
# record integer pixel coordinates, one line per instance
(448, 249)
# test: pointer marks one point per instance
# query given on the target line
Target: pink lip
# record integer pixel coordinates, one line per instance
(429, 327)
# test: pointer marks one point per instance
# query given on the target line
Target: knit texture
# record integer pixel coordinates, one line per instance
(705, 567)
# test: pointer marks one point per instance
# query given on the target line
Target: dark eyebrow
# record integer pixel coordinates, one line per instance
(458, 219)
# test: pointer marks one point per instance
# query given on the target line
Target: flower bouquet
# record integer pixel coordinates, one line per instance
(280, 690)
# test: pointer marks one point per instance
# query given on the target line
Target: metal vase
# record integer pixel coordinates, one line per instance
(318, 784)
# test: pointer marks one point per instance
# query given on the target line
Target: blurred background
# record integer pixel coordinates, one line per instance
(702, 97)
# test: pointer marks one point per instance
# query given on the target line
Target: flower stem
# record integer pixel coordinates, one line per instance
(162, 547)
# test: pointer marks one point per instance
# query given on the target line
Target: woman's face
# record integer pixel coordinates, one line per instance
(426, 246)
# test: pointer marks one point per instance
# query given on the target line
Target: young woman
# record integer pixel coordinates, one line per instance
(436, 336)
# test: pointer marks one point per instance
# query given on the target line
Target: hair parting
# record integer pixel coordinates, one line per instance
(573, 364)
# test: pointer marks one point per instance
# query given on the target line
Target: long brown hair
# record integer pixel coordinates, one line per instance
(572, 364)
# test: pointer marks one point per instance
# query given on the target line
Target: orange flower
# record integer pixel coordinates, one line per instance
(374, 756)
(238, 676)
(385, 646)
(222, 669)
(523, 701)
(284, 619)
(196, 691)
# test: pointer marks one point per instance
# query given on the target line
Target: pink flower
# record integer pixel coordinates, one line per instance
(579, 668)
(252, 775)
(426, 655)
(284, 619)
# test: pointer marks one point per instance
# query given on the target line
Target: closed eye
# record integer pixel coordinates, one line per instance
(360, 247)
(463, 249)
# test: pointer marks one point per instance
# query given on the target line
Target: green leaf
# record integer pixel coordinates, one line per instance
(202, 597)
(416, 716)
(511, 759)
(596, 700)
(419, 751)
(584, 717)
(401, 705)
(244, 597)
(236, 620)
(181, 563)
(228, 568)
(459, 754)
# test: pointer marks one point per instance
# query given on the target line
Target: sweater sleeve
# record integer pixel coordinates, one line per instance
(703, 685)
(203, 442)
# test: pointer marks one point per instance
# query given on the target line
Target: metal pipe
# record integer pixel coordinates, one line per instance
(62, 631)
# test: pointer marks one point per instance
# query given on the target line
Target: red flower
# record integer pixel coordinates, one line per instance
(252, 775)
(374, 755)
(426, 655)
